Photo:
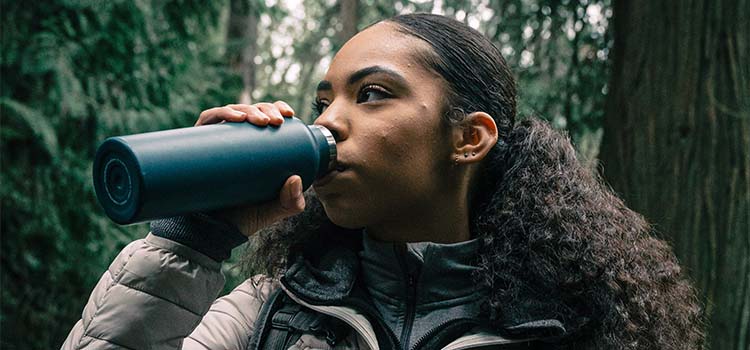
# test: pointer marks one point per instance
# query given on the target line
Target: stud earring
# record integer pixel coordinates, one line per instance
(473, 153)
(466, 155)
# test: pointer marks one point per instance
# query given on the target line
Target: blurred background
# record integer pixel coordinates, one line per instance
(654, 94)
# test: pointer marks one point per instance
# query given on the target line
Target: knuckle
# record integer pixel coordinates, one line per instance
(238, 106)
(268, 108)
(257, 114)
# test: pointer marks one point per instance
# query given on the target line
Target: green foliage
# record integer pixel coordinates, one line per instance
(76, 72)
(558, 49)
(73, 73)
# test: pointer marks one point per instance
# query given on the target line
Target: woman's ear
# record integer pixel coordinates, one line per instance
(474, 139)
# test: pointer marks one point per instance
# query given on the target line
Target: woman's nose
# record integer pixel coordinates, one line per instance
(335, 121)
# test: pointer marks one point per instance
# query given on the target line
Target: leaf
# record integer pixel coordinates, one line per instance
(41, 129)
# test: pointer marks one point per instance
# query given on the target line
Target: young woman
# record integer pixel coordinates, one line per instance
(444, 226)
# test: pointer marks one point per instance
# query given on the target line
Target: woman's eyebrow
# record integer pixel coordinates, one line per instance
(324, 85)
(361, 74)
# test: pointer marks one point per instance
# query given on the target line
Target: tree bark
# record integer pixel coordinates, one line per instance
(242, 44)
(349, 19)
(677, 142)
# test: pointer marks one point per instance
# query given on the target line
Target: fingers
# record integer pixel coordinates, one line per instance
(254, 114)
(284, 108)
(219, 114)
(260, 114)
(272, 111)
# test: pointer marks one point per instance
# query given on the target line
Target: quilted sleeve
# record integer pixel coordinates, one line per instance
(152, 296)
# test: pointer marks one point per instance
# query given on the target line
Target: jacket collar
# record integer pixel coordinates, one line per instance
(443, 273)
(327, 271)
(328, 281)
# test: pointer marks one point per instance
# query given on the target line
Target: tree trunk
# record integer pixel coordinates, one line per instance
(349, 19)
(242, 44)
(676, 142)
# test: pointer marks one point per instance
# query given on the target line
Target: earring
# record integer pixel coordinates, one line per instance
(455, 161)
(473, 153)
(466, 155)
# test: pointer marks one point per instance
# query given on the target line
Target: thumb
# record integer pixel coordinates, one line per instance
(291, 199)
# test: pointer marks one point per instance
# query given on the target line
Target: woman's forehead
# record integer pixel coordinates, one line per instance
(381, 45)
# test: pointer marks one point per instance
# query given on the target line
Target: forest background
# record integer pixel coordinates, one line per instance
(654, 95)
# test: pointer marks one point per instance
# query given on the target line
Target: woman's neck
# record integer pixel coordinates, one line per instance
(440, 217)
(433, 225)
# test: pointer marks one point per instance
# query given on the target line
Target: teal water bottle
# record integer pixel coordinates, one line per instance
(166, 173)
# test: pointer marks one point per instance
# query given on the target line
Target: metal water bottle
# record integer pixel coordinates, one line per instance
(166, 173)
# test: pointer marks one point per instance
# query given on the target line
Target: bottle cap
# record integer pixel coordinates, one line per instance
(331, 145)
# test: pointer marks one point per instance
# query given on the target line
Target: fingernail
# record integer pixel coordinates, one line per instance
(239, 114)
(289, 108)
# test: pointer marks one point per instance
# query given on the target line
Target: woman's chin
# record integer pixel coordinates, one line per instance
(347, 218)
(346, 222)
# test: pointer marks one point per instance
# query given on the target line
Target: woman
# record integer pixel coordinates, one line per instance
(443, 226)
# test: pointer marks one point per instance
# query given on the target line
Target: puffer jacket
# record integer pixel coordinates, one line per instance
(160, 294)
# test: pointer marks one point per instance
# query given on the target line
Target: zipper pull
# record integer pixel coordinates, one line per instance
(331, 338)
(319, 330)
(411, 284)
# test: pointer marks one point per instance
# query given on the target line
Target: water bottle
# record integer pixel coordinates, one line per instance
(160, 174)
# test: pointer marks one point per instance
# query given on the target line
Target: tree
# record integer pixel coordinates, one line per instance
(349, 19)
(73, 73)
(677, 142)
(242, 43)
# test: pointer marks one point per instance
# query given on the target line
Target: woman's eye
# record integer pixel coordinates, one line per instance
(372, 93)
(319, 106)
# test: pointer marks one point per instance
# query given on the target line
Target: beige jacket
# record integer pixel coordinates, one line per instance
(159, 294)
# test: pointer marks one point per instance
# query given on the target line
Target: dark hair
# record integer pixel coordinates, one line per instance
(557, 243)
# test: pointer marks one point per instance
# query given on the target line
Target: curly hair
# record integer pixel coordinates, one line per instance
(557, 243)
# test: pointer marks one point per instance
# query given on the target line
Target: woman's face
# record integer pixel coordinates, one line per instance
(385, 108)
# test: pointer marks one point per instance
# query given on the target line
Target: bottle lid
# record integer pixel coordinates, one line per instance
(331, 145)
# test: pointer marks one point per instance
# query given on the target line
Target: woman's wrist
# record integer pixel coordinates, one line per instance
(206, 234)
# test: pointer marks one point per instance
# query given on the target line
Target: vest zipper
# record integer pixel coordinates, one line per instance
(411, 296)
(410, 311)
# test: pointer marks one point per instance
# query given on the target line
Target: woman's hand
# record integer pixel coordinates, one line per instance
(250, 219)
(260, 114)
